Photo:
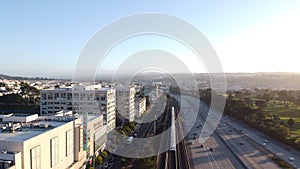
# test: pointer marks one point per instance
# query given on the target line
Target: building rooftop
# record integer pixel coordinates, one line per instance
(22, 131)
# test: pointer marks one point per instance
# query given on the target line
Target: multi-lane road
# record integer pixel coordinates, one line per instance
(230, 146)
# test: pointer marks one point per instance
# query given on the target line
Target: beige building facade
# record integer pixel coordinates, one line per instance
(46, 142)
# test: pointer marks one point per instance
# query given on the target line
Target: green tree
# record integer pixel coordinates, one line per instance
(127, 130)
(131, 125)
(123, 132)
(147, 162)
(98, 160)
(104, 154)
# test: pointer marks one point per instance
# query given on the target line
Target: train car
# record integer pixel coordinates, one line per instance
(173, 132)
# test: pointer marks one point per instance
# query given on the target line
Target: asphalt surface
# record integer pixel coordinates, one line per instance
(281, 150)
(231, 148)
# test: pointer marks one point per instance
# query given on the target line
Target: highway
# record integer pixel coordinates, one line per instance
(230, 149)
(232, 145)
(281, 150)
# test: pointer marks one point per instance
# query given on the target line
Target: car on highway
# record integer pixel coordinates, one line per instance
(291, 158)
(266, 141)
(264, 144)
(211, 149)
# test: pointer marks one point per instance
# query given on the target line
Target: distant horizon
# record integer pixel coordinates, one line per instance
(69, 77)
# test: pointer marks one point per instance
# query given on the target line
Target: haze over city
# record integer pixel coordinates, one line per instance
(46, 38)
(150, 84)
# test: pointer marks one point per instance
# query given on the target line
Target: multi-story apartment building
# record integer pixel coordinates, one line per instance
(32, 142)
(125, 102)
(91, 99)
(140, 106)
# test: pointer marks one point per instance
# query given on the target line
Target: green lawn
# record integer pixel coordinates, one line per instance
(285, 113)
(292, 111)
(294, 129)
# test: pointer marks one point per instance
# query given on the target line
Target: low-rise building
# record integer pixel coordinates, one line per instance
(96, 135)
(32, 142)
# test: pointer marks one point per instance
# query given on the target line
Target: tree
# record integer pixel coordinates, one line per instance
(104, 154)
(127, 130)
(290, 122)
(131, 125)
(124, 133)
(98, 160)
(147, 162)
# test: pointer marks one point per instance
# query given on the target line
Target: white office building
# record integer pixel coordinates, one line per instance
(32, 142)
(125, 102)
(140, 106)
(93, 100)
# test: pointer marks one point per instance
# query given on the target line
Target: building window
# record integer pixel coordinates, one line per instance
(50, 96)
(56, 96)
(44, 96)
(69, 142)
(35, 157)
(54, 151)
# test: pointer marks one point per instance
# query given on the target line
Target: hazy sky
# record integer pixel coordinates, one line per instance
(45, 38)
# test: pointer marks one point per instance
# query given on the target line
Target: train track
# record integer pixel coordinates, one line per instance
(182, 157)
(177, 159)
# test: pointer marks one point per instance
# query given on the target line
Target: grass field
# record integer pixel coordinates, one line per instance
(294, 129)
(291, 111)
(285, 113)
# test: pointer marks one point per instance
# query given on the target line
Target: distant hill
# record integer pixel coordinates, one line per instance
(235, 81)
(2, 76)
(275, 81)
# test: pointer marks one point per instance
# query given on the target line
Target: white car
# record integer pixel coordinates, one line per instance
(264, 144)
(266, 141)
(291, 159)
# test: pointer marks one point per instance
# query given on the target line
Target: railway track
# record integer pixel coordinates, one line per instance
(174, 159)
